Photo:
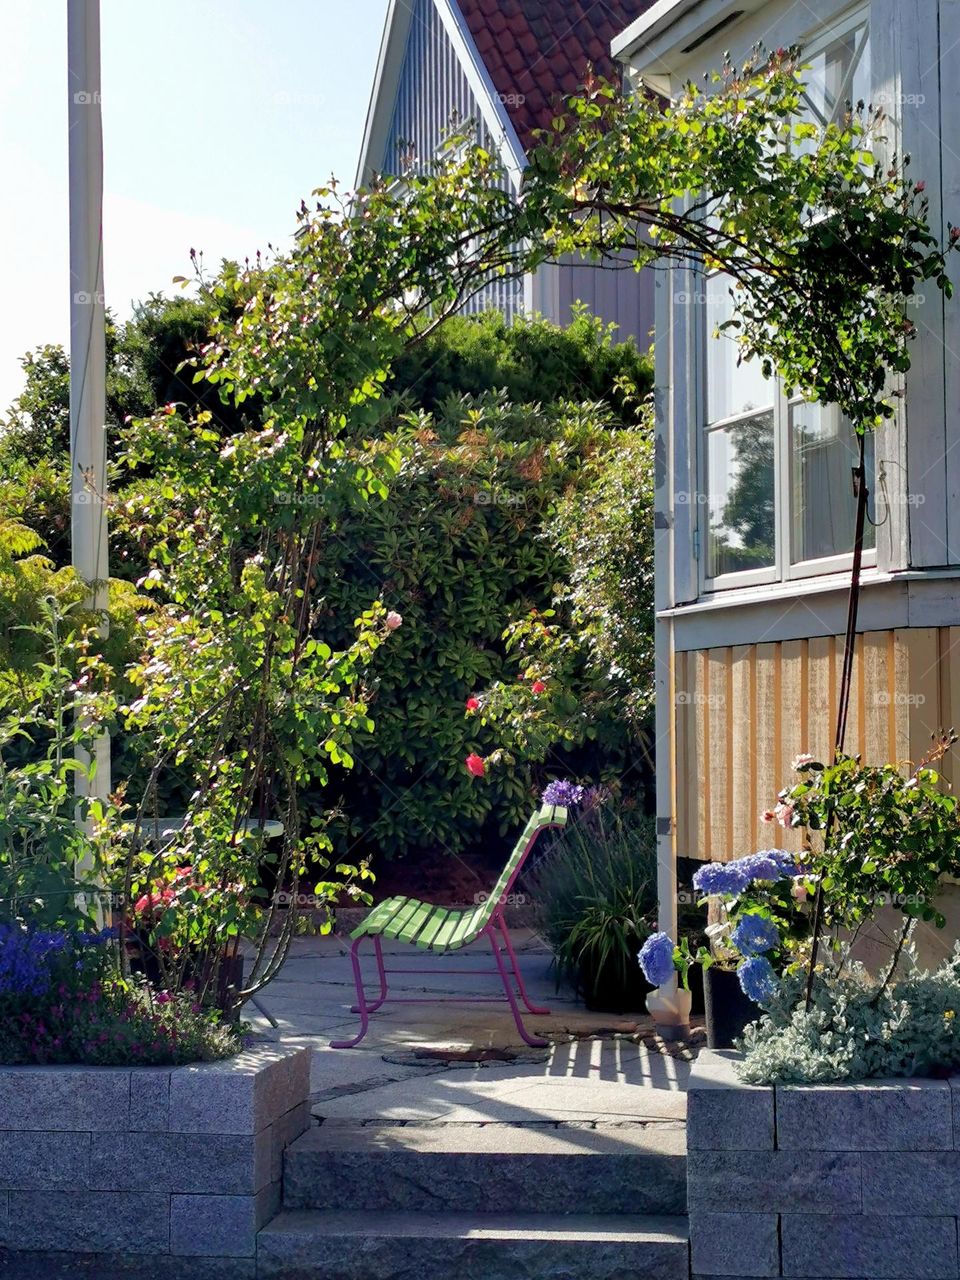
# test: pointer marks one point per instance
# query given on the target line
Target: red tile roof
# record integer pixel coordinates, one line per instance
(537, 51)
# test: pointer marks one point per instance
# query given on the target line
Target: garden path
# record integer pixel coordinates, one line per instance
(601, 1071)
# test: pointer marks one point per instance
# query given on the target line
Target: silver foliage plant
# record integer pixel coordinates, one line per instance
(855, 1030)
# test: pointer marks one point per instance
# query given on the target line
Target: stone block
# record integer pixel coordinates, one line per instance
(869, 1247)
(283, 1132)
(723, 1114)
(149, 1100)
(924, 1182)
(20, 1265)
(33, 1161)
(4, 1217)
(734, 1244)
(74, 1098)
(220, 1164)
(220, 1226)
(894, 1115)
(89, 1221)
(240, 1095)
(774, 1181)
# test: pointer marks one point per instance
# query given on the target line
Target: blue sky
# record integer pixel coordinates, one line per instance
(218, 116)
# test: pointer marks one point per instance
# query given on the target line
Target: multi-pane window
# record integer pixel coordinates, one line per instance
(776, 473)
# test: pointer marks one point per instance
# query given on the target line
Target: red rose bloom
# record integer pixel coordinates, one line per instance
(473, 704)
(475, 765)
(538, 686)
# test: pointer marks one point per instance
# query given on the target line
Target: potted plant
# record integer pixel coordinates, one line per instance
(597, 895)
(757, 913)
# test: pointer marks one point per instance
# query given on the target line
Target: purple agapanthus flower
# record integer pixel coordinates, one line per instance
(656, 959)
(755, 934)
(563, 793)
(758, 980)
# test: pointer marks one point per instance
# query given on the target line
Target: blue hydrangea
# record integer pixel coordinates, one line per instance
(731, 878)
(563, 793)
(755, 934)
(656, 959)
(758, 980)
(769, 864)
(721, 878)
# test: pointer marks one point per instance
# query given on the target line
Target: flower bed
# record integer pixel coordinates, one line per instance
(851, 1181)
(63, 1000)
(149, 1171)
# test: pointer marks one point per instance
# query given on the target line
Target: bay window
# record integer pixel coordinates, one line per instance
(776, 498)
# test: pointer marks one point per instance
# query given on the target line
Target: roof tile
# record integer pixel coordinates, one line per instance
(536, 50)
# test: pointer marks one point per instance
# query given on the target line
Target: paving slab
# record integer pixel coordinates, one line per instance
(600, 1068)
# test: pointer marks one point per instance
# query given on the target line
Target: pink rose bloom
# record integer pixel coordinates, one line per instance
(799, 892)
(785, 814)
(803, 758)
(476, 765)
(394, 620)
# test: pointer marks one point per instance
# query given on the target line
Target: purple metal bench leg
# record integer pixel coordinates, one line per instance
(534, 1041)
(378, 951)
(361, 1006)
(532, 1008)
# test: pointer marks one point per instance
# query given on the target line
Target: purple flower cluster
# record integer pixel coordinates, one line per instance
(731, 878)
(28, 956)
(656, 959)
(563, 793)
(25, 959)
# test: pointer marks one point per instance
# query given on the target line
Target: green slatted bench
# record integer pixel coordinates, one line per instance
(443, 929)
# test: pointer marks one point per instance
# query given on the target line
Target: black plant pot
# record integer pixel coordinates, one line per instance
(727, 1010)
(613, 987)
(695, 978)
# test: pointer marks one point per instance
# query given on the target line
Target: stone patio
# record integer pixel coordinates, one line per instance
(602, 1070)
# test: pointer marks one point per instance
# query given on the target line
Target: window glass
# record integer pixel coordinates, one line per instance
(823, 450)
(839, 74)
(740, 496)
(732, 389)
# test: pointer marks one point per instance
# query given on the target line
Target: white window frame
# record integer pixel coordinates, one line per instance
(784, 460)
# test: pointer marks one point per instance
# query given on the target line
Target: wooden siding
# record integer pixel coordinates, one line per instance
(744, 712)
(434, 94)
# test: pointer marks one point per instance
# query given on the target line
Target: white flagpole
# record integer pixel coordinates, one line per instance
(88, 439)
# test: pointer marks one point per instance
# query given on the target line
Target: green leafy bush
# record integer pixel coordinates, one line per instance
(530, 361)
(464, 545)
(857, 1029)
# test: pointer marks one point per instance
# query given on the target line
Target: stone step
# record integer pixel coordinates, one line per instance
(494, 1168)
(311, 1245)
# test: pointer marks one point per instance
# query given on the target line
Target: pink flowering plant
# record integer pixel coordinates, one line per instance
(63, 999)
(877, 836)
